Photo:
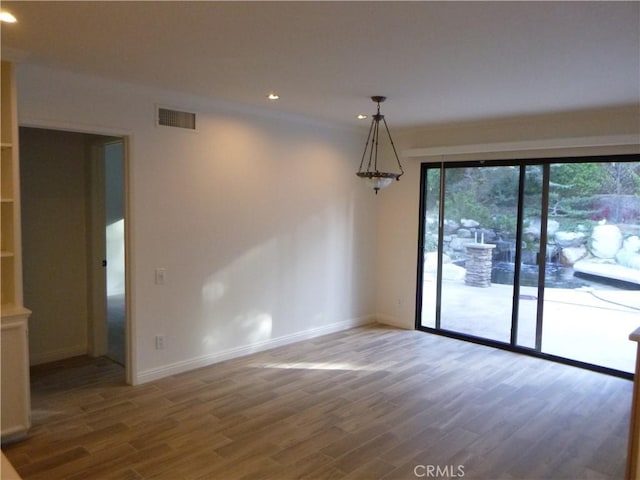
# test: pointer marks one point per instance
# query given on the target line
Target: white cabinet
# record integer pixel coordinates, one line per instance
(14, 396)
(633, 446)
(16, 404)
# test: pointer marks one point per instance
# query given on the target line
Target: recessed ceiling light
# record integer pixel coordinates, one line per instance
(362, 116)
(7, 17)
(273, 96)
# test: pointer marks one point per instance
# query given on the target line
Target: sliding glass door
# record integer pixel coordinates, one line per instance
(473, 211)
(591, 301)
(535, 256)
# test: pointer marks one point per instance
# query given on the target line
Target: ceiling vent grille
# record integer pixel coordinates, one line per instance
(176, 118)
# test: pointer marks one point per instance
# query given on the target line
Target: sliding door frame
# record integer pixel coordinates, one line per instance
(512, 346)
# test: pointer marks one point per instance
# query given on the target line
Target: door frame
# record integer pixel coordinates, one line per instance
(127, 139)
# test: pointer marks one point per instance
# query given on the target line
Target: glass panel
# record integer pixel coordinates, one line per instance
(430, 265)
(480, 216)
(529, 270)
(591, 303)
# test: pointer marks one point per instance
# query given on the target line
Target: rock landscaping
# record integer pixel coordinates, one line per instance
(607, 250)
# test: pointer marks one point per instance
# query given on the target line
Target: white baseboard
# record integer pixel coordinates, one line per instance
(210, 359)
(393, 322)
(55, 355)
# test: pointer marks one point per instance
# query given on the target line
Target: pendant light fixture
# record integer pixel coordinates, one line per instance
(374, 177)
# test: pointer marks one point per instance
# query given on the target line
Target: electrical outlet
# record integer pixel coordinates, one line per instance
(161, 276)
(160, 341)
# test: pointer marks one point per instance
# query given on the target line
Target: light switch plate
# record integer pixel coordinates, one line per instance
(161, 276)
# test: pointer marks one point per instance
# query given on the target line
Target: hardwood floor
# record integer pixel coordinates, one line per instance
(369, 403)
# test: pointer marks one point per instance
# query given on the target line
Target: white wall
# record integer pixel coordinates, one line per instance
(266, 234)
(399, 204)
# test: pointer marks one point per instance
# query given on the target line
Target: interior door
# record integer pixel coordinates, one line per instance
(107, 249)
(114, 234)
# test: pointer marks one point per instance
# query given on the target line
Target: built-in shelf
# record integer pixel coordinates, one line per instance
(15, 415)
(11, 310)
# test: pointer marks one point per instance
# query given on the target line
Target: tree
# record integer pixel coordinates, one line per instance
(579, 179)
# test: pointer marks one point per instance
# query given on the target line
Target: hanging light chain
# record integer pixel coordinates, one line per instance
(395, 153)
(364, 154)
(376, 136)
(376, 178)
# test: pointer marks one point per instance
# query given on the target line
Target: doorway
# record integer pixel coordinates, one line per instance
(73, 220)
(537, 256)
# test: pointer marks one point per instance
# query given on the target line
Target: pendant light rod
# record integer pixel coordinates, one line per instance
(395, 153)
(366, 146)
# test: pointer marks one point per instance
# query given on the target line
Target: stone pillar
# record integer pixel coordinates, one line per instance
(479, 263)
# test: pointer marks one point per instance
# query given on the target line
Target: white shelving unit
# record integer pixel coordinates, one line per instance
(15, 398)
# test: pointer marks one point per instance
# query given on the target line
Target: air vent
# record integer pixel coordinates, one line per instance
(176, 118)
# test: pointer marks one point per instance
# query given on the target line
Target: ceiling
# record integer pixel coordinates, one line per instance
(437, 62)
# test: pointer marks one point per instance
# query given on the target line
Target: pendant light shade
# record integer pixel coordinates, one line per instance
(369, 164)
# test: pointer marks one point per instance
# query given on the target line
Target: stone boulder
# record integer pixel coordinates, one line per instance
(468, 223)
(451, 271)
(533, 228)
(570, 239)
(458, 244)
(450, 226)
(629, 254)
(570, 255)
(606, 240)
(628, 259)
(552, 227)
(632, 244)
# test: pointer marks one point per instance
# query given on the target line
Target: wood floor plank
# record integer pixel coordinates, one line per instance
(122, 465)
(371, 469)
(368, 403)
(84, 462)
(310, 445)
(51, 462)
